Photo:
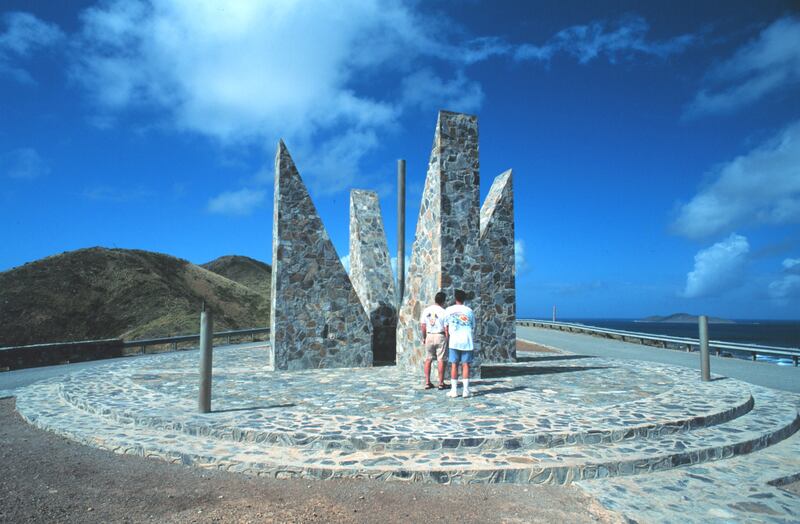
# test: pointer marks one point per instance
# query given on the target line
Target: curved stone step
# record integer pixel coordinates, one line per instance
(772, 419)
(683, 408)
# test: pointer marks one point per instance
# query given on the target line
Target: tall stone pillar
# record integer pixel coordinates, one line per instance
(317, 318)
(498, 287)
(446, 253)
(371, 271)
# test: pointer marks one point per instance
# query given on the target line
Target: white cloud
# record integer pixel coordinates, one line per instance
(788, 285)
(623, 39)
(24, 163)
(792, 265)
(345, 260)
(763, 66)
(520, 262)
(717, 268)
(241, 202)
(253, 71)
(394, 265)
(762, 186)
(23, 35)
(427, 90)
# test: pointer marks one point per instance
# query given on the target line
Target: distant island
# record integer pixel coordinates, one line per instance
(683, 318)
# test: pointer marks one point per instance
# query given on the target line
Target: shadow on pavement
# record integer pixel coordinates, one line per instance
(551, 357)
(521, 371)
(253, 408)
(497, 391)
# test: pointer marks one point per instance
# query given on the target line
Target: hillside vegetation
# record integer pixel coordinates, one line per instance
(106, 293)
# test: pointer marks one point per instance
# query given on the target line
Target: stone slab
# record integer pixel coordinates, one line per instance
(371, 271)
(498, 296)
(317, 319)
(445, 254)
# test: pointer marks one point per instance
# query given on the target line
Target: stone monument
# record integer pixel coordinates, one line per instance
(317, 318)
(446, 253)
(371, 271)
(498, 289)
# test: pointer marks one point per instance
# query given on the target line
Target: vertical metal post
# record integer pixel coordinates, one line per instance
(705, 364)
(554, 313)
(401, 230)
(206, 341)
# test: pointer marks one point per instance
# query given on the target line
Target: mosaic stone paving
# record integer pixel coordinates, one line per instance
(742, 489)
(545, 419)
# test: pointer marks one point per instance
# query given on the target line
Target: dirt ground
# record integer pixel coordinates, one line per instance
(45, 478)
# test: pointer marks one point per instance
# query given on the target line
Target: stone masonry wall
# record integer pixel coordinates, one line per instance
(445, 253)
(317, 319)
(371, 271)
(498, 289)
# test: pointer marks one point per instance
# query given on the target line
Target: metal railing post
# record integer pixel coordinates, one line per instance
(705, 364)
(206, 342)
(401, 231)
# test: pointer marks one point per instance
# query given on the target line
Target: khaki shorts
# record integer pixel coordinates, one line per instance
(434, 346)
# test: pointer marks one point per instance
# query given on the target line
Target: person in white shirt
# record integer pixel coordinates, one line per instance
(432, 324)
(459, 325)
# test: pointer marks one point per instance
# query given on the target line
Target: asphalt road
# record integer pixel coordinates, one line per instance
(785, 378)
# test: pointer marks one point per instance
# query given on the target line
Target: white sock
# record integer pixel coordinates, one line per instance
(454, 384)
(465, 381)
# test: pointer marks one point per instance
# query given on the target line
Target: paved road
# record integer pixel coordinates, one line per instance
(761, 373)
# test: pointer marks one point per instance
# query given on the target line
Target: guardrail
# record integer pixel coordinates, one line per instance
(34, 355)
(174, 341)
(650, 339)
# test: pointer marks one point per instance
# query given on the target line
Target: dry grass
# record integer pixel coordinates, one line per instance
(104, 293)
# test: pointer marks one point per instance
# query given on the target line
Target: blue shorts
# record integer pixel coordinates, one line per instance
(456, 356)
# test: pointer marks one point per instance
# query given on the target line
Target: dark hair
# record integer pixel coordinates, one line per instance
(440, 298)
(460, 296)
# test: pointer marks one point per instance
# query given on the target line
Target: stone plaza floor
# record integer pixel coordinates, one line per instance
(644, 438)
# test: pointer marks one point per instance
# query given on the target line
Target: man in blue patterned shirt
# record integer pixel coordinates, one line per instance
(459, 325)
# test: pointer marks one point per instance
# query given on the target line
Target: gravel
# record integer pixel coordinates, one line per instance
(46, 478)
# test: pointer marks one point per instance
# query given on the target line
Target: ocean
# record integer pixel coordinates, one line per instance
(782, 333)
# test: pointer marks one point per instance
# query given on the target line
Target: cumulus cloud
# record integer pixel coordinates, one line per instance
(717, 268)
(24, 164)
(765, 65)
(622, 39)
(428, 90)
(24, 34)
(520, 262)
(762, 186)
(253, 71)
(237, 203)
(788, 285)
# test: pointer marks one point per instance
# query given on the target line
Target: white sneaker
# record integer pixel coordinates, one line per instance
(453, 393)
(466, 394)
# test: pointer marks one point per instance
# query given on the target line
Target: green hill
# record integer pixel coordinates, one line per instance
(105, 293)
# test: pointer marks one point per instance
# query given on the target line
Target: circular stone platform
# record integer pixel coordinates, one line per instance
(547, 418)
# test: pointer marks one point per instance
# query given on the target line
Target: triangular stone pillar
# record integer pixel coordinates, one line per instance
(371, 271)
(317, 319)
(498, 288)
(445, 255)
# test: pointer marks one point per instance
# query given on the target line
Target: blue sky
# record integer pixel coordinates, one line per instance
(655, 145)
